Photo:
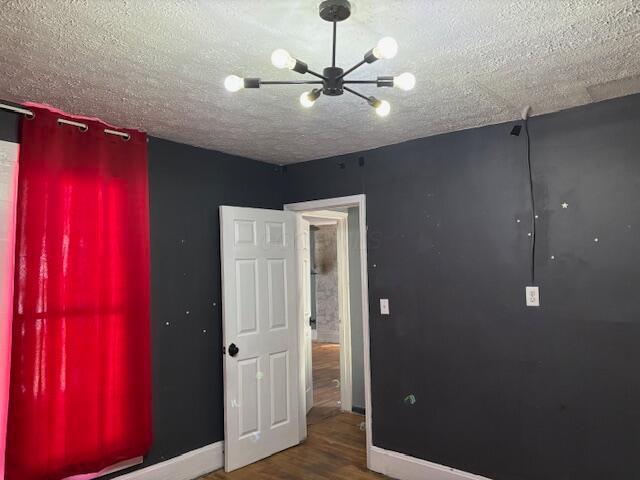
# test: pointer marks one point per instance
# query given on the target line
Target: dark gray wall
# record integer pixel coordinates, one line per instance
(186, 187)
(8, 126)
(500, 389)
(510, 392)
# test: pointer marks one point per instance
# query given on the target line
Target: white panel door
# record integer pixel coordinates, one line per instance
(304, 266)
(260, 332)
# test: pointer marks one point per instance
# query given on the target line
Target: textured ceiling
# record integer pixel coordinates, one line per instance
(158, 65)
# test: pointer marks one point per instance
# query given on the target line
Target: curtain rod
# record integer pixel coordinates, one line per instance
(82, 126)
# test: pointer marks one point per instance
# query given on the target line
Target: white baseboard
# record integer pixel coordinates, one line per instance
(327, 337)
(196, 463)
(188, 466)
(112, 469)
(403, 467)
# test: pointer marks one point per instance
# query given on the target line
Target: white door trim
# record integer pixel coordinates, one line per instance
(303, 258)
(318, 217)
(360, 202)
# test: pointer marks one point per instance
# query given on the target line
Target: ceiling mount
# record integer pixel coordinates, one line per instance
(332, 81)
(335, 10)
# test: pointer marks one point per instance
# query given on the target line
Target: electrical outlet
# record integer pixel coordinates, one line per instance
(533, 296)
(384, 306)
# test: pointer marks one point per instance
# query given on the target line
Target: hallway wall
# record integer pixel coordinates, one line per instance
(325, 257)
(355, 305)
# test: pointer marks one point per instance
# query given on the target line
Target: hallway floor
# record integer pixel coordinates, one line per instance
(326, 382)
(335, 446)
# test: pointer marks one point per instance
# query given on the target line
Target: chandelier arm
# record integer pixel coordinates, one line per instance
(357, 94)
(290, 82)
(373, 82)
(316, 74)
(347, 72)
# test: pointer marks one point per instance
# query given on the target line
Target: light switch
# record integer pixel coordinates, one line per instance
(384, 306)
(533, 296)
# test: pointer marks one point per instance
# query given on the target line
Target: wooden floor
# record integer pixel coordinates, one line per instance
(335, 445)
(326, 382)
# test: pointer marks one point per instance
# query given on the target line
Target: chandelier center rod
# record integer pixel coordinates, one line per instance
(333, 56)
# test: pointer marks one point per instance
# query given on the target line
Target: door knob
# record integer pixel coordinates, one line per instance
(233, 350)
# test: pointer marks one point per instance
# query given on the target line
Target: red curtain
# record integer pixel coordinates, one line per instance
(80, 393)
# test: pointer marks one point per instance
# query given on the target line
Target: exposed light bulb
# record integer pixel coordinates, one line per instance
(233, 83)
(383, 108)
(406, 81)
(306, 101)
(280, 58)
(387, 48)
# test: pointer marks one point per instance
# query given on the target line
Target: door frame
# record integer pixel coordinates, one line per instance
(339, 202)
(344, 307)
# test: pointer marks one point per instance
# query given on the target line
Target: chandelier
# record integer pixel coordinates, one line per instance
(332, 81)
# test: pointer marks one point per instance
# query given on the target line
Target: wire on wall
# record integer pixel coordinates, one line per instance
(533, 200)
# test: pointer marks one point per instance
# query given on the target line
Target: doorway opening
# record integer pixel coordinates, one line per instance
(333, 311)
(324, 316)
(267, 351)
